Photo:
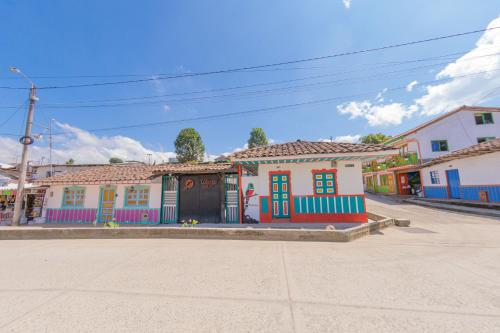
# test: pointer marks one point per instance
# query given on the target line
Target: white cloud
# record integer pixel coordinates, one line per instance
(472, 78)
(470, 90)
(410, 85)
(347, 3)
(377, 115)
(84, 147)
(343, 138)
(348, 138)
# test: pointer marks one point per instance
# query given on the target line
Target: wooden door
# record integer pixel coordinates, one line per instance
(107, 204)
(403, 184)
(280, 195)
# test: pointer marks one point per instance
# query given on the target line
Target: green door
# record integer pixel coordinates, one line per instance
(280, 195)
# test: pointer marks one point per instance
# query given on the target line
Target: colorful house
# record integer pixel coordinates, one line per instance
(306, 181)
(144, 194)
(457, 129)
(469, 174)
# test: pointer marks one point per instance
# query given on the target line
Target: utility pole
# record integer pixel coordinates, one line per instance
(26, 140)
(50, 148)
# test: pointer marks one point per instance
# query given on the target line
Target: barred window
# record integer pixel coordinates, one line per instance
(435, 177)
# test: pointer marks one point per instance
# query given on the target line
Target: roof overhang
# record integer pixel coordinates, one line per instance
(364, 157)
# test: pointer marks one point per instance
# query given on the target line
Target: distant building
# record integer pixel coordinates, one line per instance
(461, 128)
(468, 174)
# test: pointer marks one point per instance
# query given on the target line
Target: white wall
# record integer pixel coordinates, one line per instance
(349, 180)
(459, 129)
(477, 170)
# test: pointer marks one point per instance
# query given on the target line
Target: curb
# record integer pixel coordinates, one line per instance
(25, 233)
(454, 208)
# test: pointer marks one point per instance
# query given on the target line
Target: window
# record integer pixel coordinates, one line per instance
(324, 182)
(136, 196)
(73, 197)
(383, 180)
(435, 177)
(439, 145)
(483, 118)
(484, 139)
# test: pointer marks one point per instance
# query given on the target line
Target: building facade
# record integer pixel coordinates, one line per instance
(143, 194)
(461, 128)
(466, 174)
(306, 181)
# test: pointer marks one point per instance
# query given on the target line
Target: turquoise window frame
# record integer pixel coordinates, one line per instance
(136, 187)
(73, 188)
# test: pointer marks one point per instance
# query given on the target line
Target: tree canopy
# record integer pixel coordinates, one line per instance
(189, 146)
(375, 138)
(70, 161)
(257, 138)
(114, 160)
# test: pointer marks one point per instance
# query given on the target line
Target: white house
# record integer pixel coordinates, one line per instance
(143, 194)
(306, 181)
(469, 174)
(457, 129)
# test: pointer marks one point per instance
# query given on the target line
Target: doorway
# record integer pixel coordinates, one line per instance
(200, 198)
(280, 195)
(106, 209)
(453, 179)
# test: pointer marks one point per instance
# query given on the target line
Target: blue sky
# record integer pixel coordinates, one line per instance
(55, 42)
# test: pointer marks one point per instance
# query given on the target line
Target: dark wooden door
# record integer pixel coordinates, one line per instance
(403, 184)
(200, 198)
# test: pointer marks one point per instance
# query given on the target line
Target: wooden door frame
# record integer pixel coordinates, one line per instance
(101, 194)
(290, 196)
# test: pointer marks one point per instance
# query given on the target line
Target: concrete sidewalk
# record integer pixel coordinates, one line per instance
(439, 275)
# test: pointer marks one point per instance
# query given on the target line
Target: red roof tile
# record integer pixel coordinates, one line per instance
(300, 147)
(131, 173)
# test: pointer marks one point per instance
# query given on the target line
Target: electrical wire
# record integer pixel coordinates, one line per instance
(239, 69)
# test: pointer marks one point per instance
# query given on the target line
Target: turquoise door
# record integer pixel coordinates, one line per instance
(453, 183)
(280, 195)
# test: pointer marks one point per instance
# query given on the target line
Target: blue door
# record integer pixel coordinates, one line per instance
(453, 183)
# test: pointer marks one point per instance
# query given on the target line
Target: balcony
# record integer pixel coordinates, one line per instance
(393, 162)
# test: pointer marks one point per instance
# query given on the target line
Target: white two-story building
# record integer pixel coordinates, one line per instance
(460, 128)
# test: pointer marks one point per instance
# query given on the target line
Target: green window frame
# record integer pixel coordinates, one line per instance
(73, 197)
(483, 118)
(324, 183)
(136, 196)
(439, 145)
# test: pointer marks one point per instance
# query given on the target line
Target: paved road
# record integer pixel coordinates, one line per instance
(440, 275)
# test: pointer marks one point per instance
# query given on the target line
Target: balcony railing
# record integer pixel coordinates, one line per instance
(393, 162)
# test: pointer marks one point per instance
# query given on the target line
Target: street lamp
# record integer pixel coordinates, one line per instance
(26, 140)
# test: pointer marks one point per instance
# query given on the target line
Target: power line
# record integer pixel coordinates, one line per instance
(152, 75)
(254, 111)
(255, 93)
(283, 63)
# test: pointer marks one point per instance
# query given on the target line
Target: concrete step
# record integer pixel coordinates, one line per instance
(476, 204)
(456, 208)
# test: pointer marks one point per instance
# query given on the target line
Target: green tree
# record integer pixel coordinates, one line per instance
(375, 138)
(189, 146)
(114, 160)
(257, 138)
(70, 161)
